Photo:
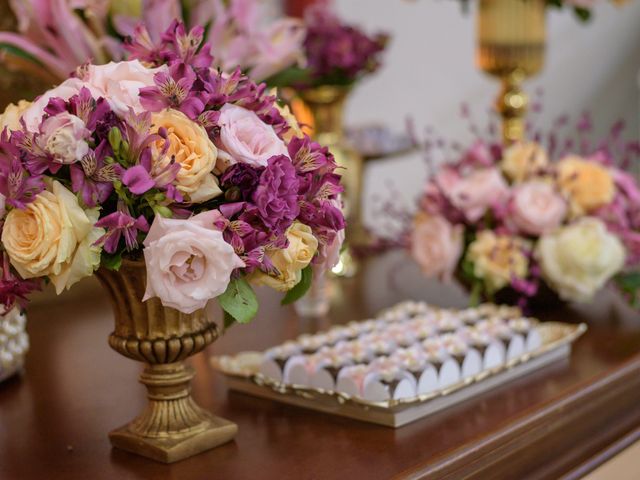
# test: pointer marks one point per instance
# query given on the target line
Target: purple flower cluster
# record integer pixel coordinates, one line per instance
(338, 53)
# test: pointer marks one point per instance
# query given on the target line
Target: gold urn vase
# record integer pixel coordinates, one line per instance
(511, 38)
(326, 104)
(172, 426)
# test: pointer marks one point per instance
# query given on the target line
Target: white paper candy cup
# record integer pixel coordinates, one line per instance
(516, 347)
(449, 373)
(534, 340)
(271, 369)
(428, 380)
(351, 380)
(472, 363)
(494, 355)
(296, 371)
(376, 388)
(322, 379)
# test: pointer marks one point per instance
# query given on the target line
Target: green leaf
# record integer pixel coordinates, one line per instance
(112, 261)
(18, 52)
(288, 77)
(629, 282)
(239, 301)
(302, 287)
(583, 14)
(115, 138)
(229, 321)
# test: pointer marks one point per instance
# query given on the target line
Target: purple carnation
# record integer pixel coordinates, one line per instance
(276, 196)
(240, 181)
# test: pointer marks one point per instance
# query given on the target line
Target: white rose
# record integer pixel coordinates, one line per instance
(10, 119)
(577, 260)
(63, 136)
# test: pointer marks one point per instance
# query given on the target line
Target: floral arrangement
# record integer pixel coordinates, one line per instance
(514, 222)
(57, 37)
(165, 158)
(336, 53)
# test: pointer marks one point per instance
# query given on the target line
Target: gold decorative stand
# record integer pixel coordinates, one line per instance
(172, 426)
(326, 104)
(511, 37)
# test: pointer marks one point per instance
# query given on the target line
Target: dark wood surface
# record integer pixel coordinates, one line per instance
(562, 420)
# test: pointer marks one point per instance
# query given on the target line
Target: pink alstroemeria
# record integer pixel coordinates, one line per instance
(93, 178)
(14, 289)
(119, 224)
(19, 186)
(173, 90)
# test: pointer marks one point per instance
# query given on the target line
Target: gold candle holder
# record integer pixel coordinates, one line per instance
(172, 426)
(511, 38)
(326, 104)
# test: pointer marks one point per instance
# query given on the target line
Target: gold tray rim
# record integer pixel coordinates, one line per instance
(554, 335)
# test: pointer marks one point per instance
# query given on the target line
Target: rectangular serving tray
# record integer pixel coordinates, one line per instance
(241, 372)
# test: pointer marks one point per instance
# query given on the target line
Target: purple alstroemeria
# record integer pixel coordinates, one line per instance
(188, 45)
(173, 90)
(121, 224)
(17, 184)
(309, 156)
(14, 289)
(92, 178)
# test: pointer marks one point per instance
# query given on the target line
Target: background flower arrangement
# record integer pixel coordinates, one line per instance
(581, 8)
(166, 158)
(56, 37)
(514, 222)
(336, 53)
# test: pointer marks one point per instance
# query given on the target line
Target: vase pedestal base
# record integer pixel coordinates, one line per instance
(215, 431)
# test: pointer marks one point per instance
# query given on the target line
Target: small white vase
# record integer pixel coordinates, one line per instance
(14, 342)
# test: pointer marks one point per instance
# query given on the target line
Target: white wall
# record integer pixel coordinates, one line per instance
(429, 71)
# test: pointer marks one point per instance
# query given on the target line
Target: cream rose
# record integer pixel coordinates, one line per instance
(588, 185)
(188, 261)
(536, 207)
(245, 138)
(189, 145)
(290, 261)
(53, 237)
(577, 260)
(497, 259)
(436, 245)
(522, 160)
(10, 118)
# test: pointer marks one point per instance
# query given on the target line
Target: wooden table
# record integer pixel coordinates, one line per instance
(563, 420)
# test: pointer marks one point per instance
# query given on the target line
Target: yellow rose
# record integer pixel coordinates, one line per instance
(588, 185)
(523, 159)
(53, 237)
(290, 261)
(498, 258)
(10, 118)
(294, 131)
(189, 145)
(577, 260)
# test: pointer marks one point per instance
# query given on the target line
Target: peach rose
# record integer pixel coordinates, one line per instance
(522, 160)
(588, 185)
(245, 138)
(11, 116)
(436, 245)
(498, 258)
(189, 145)
(53, 237)
(475, 193)
(536, 207)
(290, 261)
(188, 261)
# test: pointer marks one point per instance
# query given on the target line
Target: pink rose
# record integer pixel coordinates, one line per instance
(329, 255)
(245, 138)
(63, 136)
(475, 193)
(120, 83)
(188, 262)
(32, 116)
(278, 48)
(436, 245)
(536, 208)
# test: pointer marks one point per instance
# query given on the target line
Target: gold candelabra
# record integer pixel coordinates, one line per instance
(511, 38)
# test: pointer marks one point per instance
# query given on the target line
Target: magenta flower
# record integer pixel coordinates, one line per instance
(173, 90)
(14, 289)
(276, 196)
(93, 178)
(18, 185)
(119, 224)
